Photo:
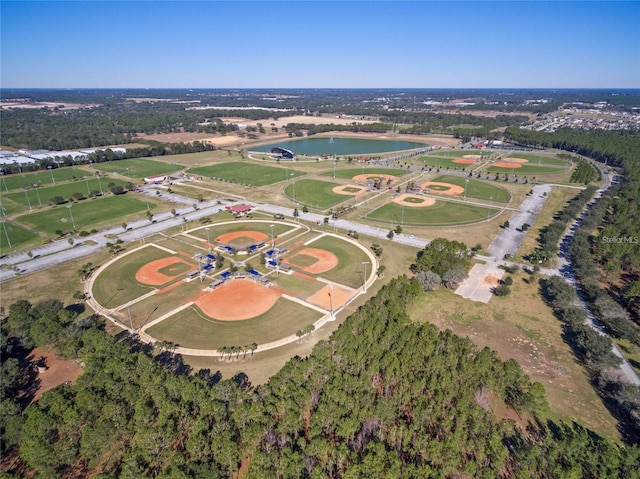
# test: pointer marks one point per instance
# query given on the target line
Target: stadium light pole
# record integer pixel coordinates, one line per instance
(334, 169)
(28, 202)
(364, 280)
(402, 219)
(6, 234)
(99, 183)
(273, 243)
(331, 301)
(4, 182)
(38, 196)
(489, 210)
(466, 184)
(208, 240)
(88, 189)
(71, 214)
(130, 320)
(50, 168)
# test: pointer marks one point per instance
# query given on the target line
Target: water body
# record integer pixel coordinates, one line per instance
(340, 146)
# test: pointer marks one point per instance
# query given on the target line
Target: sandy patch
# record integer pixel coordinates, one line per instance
(254, 236)
(237, 300)
(451, 189)
(373, 176)
(516, 160)
(339, 296)
(325, 260)
(341, 190)
(464, 161)
(402, 200)
(58, 371)
(492, 280)
(149, 274)
(504, 164)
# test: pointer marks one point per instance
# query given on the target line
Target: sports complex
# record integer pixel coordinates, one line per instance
(233, 283)
(265, 280)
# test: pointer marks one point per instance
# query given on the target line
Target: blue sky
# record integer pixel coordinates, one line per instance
(356, 44)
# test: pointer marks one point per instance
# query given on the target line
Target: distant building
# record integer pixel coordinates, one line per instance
(278, 152)
(156, 179)
(240, 210)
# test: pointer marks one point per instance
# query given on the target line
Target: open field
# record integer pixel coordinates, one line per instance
(349, 173)
(522, 327)
(477, 189)
(534, 159)
(191, 328)
(11, 234)
(87, 214)
(441, 213)
(27, 180)
(557, 200)
(525, 169)
(350, 258)
(248, 172)
(444, 162)
(41, 196)
(314, 193)
(139, 167)
(117, 283)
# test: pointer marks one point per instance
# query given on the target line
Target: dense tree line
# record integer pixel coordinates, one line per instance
(595, 351)
(615, 246)
(109, 124)
(383, 397)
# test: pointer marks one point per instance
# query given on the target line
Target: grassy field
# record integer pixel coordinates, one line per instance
(192, 329)
(11, 234)
(444, 162)
(477, 189)
(526, 169)
(139, 167)
(540, 159)
(28, 180)
(87, 214)
(117, 283)
(248, 173)
(41, 196)
(441, 213)
(557, 200)
(315, 193)
(522, 327)
(157, 305)
(216, 230)
(349, 270)
(351, 172)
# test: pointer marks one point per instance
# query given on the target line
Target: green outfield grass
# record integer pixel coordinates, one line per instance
(28, 180)
(87, 214)
(14, 235)
(216, 230)
(477, 189)
(534, 159)
(157, 305)
(350, 258)
(193, 329)
(315, 193)
(296, 285)
(526, 169)
(365, 170)
(139, 167)
(441, 213)
(41, 196)
(248, 173)
(442, 162)
(117, 283)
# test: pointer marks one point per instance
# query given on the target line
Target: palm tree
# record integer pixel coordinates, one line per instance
(253, 347)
